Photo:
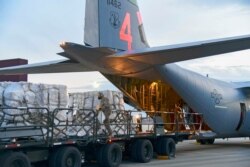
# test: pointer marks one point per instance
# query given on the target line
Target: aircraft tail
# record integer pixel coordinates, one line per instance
(115, 24)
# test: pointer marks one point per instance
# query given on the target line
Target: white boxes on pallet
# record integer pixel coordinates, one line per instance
(90, 100)
(88, 103)
(81, 119)
(25, 94)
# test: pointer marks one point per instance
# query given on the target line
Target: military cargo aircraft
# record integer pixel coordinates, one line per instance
(116, 46)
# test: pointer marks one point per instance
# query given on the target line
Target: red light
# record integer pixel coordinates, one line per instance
(12, 145)
(69, 142)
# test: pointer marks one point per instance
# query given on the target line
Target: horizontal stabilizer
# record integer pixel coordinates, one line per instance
(79, 59)
(134, 63)
(83, 54)
(241, 85)
(182, 52)
(46, 67)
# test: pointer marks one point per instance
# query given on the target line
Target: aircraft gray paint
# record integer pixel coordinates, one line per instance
(116, 45)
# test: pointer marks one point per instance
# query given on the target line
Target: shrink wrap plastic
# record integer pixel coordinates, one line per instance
(82, 117)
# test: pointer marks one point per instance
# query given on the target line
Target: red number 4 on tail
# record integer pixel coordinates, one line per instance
(125, 32)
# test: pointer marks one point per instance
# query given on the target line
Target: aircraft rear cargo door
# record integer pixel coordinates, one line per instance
(242, 115)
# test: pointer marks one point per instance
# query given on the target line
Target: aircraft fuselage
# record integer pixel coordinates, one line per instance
(225, 108)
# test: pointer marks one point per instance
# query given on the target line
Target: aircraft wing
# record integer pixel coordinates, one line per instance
(46, 67)
(136, 62)
(239, 85)
(182, 52)
(130, 63)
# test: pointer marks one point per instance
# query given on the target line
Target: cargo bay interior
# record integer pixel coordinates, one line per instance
(156, 98)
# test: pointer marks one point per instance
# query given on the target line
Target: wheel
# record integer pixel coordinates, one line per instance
(198, 141)
(206, 141)
(110, 155)
(167, 147)
(210, 141)
(144, 152)
(14, 159)
(65, 157)
(203, 141)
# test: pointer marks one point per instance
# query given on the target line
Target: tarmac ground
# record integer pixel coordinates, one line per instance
(223, 153)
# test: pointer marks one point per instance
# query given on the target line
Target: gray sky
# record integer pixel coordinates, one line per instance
(33, 30)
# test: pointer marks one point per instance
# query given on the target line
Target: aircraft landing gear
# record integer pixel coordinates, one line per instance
(205, 141)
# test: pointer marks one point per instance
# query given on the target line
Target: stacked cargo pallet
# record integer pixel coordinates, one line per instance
(88, 102)
(82, 116)
(24, 94)
(37, 96)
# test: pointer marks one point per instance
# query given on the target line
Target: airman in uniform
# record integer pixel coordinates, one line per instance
(106, 109)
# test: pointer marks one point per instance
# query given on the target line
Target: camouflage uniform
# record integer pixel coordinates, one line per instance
(105, 107)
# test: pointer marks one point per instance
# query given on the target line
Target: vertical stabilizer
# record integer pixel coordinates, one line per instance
(115, 24)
